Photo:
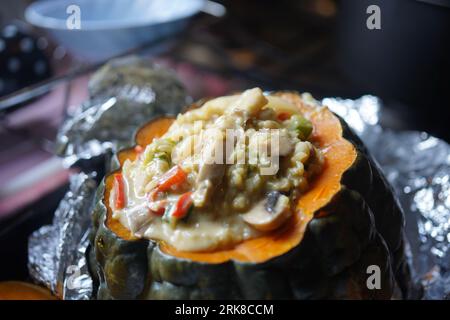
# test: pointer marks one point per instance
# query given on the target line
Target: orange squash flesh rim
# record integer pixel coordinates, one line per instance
(17, 290)
(339, 155)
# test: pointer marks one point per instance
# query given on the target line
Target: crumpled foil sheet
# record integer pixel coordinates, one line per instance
(124, 94)
(418, 167)
(416, 164)
(56, 253)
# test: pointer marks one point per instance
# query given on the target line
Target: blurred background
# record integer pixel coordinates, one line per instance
(320, 46)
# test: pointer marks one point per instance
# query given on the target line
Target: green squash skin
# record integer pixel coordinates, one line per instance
(362, 226)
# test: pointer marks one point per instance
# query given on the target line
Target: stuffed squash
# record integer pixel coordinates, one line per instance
(247, 196)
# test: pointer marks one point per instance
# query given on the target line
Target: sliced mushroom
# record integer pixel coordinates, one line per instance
(138, 218)
(202, 193)
(270, 213)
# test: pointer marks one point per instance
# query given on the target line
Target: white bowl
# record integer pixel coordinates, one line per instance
(111, 27)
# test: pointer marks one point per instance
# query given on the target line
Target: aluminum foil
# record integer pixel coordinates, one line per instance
(124, 94)
(57, 253)
(416, 164)
(418, 167)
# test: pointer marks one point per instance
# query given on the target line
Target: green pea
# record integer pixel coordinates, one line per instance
(301, 125)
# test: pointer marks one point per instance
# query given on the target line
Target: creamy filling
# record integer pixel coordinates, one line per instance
(182, 190)
(200, 232)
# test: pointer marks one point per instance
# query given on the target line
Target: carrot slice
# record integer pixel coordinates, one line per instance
(120, 191)
(283, 116)
(139, 149)
(183, 205)
(173, 177)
